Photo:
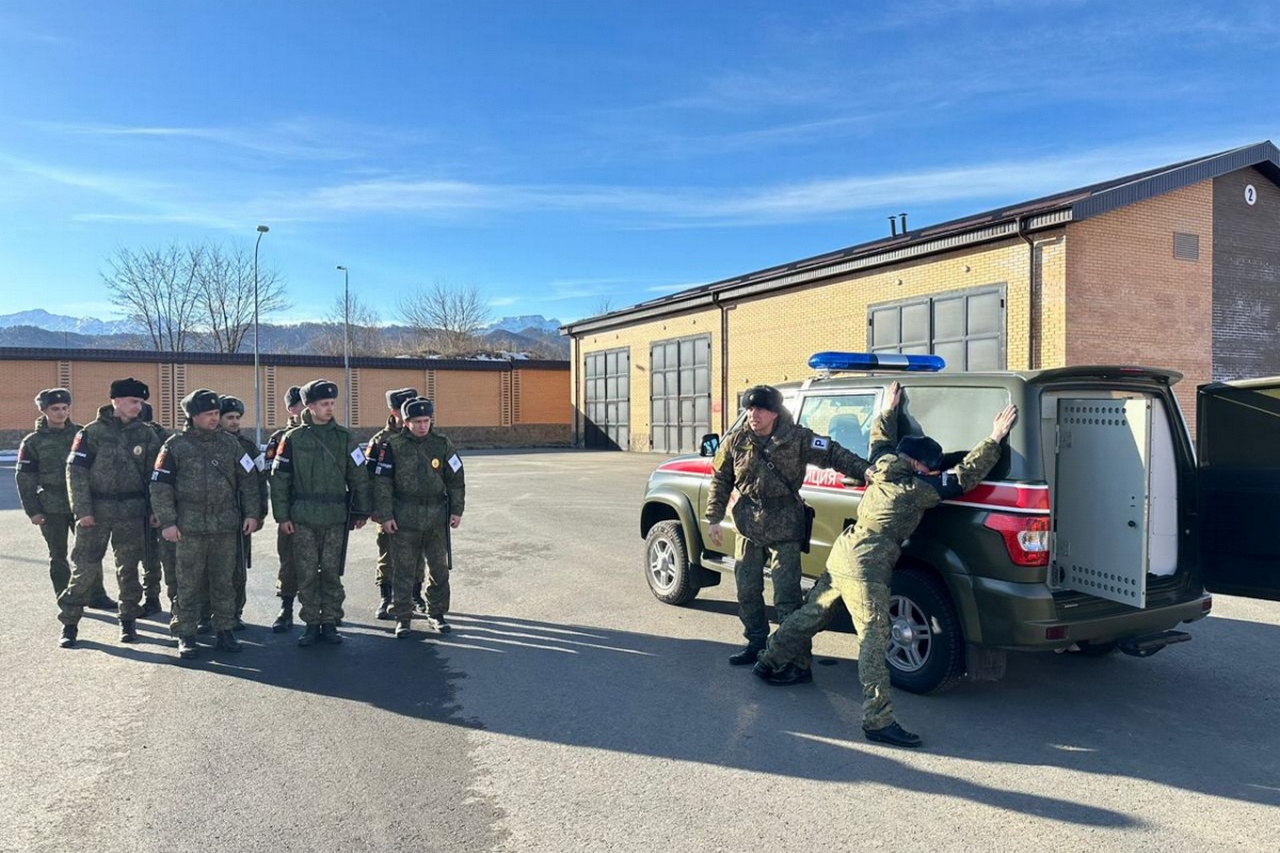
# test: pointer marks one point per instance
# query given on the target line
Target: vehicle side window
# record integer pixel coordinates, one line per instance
(846, 418)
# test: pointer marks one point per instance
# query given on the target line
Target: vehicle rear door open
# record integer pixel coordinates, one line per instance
(1238, 487)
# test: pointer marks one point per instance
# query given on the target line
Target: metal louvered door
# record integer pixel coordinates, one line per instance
(680, 393)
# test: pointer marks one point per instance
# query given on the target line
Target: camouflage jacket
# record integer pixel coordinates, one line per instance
(42, 469)
(897, 497)
(259, 473)
(273, 443)
(768, 473)
(204, 482)
(109, 468)
(414, 476)
(371, 449)
(316, 468)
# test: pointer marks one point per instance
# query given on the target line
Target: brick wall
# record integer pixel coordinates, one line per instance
(1130, 301)
(1246, 277)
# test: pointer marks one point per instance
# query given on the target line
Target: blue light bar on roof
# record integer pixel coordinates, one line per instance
(836, 361)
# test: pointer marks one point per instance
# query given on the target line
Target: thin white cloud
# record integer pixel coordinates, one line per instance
(503, 301)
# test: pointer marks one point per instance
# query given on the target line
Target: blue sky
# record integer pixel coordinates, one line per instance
(557, 155)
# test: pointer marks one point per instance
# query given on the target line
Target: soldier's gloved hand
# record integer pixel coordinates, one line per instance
(454, 521)
(86, 521)
(250, 525)
(390, 526)
(716, 534)
(286, 527)
(37, 519)
(171, 533)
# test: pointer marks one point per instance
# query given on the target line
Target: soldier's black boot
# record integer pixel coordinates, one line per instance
(102, 602)
(151, 605)
(239, 626)
(419, 603)
(329, 633)
(747, 656)
(310, 636)
(437, 624)
(227, 642)
(128, 631)
(789, 674)
(404, 628)
(894, 735)
(68, 638)
(187, 648)
(205, 626)
(284, 621)
(384, 607)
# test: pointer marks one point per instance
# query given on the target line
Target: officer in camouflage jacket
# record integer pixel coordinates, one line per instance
(395, 399)
(419, 492)
(766, 460)
(108, 471)
(319, 490)
(160, 559)
(287, 576)
(205, 492)
(42, 485)
(902, 483)
(232, 409)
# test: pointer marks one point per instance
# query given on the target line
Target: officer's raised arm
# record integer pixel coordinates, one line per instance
(978, 463)
(884, 428)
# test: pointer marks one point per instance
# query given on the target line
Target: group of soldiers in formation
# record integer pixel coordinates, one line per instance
(765, 462)
(185, 505)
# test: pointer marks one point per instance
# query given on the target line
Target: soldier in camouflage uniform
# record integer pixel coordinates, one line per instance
(287, 576)
(765, 461)
(319, 490)
(419, 492)
(159, 559)
(232, 409)
(42, 485)
(205, 492)
(108, 472)
(901, 484)
(395, 399)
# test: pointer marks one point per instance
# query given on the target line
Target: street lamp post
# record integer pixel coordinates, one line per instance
(257, 381)
(346, 337)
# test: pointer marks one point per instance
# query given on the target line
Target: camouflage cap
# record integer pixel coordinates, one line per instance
(400, 396)
(418, 407)
(923, 449)
(319, 389)
(200, 401)
(231, 404)
(51, 397)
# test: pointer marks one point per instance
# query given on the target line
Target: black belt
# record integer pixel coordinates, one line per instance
(117, 496)
(320, 499)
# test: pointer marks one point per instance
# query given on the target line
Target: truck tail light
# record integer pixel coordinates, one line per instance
(1026, 537)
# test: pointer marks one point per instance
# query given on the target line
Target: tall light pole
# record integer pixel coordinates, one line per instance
(257, 381)
(346, 338)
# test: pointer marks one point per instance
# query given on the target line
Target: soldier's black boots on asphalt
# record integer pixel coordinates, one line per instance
(284, 621)
(102, 602)
(894, 735)
(419, 603)
(437, 624)
(68, 638)
(310, 636)
(384, 606)
(187, 648)
(329, 633)
(151, 606)
(205, 626)
(404, 628)
(789, 674)
(747, 656)
(227, 642)
(128, 631)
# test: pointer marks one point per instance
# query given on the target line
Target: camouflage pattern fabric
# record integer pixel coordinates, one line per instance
(783, 559)
(315, 467)
(287, 575)
(125, 539)
(383, 540)
(56, 530)
(42, 468)
(205, 564)
(240, 577)
(320, 593)
(154, 568)
(411, 552)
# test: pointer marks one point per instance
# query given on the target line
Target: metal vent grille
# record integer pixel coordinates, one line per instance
(64, 374)
(355, 396)
(515, 396)
(430, 390)
(1186, 246)
(506, 398)
(270, 402)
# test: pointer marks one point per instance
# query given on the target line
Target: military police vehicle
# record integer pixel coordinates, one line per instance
(1101, 528)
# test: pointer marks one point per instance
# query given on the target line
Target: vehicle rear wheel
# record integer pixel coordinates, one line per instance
(926, 643)
(666, 564)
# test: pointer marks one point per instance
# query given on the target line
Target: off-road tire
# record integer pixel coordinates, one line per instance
(941, 664)
(666, 564)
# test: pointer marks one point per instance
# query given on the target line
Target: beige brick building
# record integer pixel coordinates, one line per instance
(1178, 267)
(478, 403)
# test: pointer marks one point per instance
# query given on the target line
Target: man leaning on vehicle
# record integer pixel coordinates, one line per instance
(766, 462)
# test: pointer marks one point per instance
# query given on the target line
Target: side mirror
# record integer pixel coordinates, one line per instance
(710, 443)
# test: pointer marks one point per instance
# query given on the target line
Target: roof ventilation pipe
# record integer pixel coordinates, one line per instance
(893, 225)
(904, 222)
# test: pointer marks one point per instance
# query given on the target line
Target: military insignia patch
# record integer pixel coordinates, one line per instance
(819, 443)
(137, 450)
(454, 462)
(246, 463)
(358, 456)
(435, 463)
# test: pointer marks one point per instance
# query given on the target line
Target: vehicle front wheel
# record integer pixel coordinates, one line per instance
(926, 643)
(666, 564)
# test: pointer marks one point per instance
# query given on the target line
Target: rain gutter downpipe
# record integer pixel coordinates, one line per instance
(1032, 323)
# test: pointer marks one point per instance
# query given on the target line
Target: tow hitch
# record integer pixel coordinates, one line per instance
(1147, 645)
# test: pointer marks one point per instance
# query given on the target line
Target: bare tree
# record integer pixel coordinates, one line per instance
(366, 335)
(226, 281)
(446, 317)
(158, 289)
(603, 305)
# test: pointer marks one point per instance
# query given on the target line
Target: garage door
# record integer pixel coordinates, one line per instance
(680, 393)
(606, 376)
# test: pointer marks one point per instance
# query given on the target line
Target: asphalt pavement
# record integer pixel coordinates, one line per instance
(571, 711)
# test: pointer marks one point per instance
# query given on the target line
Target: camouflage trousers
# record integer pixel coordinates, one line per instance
(316, 551)
(160, 564)
(125, 540)
(56, 530)
(383, 574)
(205, 565)
(239, 580)
(409, 550)
(287, 576)
(858, 572)
(783, 559)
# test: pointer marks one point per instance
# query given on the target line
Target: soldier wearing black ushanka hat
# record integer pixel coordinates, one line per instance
(319, 490)
(231, 411)
(287, 576)
(395, 399)
(419, 495)
(108, 471)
